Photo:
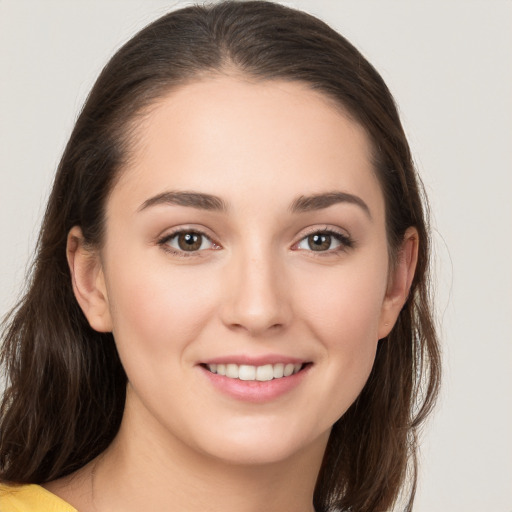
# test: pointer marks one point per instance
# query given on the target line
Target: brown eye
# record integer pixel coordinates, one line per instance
(319, 242)
(325, 241)
(190, 241)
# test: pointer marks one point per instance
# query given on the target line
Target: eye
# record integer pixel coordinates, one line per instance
(324, 241)
(187, 241)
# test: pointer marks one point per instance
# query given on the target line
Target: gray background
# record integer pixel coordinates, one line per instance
(449, 65)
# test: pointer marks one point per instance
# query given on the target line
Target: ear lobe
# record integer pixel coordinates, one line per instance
(400, 282)
(88, 281)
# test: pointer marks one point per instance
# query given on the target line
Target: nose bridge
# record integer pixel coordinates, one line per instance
(256, 297)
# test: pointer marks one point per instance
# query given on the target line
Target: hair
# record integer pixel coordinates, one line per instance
(65, 390)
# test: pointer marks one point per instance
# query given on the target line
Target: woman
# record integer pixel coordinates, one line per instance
(182, 347)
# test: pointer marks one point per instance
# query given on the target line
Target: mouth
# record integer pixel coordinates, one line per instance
(263, 373)
(263, 381)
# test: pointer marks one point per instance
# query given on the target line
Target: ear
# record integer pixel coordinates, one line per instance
(88, 281)
(399, 282)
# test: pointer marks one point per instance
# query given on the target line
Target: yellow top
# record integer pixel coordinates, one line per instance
(31, 498)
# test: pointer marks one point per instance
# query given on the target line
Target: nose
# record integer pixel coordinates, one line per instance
(256, 298)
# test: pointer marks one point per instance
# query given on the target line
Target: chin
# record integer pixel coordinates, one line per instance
(263, 446)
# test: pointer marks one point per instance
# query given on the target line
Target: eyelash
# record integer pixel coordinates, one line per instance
(345, 241)
(164, 243)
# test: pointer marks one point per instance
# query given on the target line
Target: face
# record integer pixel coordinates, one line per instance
(245, 268)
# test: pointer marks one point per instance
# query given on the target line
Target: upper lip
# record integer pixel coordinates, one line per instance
(254, 360)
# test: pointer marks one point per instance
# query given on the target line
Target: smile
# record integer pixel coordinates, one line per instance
(255, 373)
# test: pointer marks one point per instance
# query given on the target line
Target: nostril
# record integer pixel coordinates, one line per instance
(255, 327)
(255, 301)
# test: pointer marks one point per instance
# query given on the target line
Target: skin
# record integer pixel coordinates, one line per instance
(255, 288)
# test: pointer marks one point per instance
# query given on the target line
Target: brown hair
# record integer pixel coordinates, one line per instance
(66, 387)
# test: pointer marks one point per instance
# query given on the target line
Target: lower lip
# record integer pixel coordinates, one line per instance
(255, 391)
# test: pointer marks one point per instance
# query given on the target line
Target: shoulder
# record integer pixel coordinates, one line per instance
(30, 498)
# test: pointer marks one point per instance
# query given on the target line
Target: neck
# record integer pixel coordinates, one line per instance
(143, 469)
(170, 484)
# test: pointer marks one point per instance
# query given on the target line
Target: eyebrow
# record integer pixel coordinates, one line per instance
(321, 201)
(192, 199)
(210, 202)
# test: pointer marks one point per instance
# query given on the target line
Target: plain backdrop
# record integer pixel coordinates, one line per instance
(449, 65)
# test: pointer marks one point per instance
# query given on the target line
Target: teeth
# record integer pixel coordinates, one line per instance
(246, 372)
(278, 370)
(288, 369)
(259, 373)
(232, 371)
(265, 372)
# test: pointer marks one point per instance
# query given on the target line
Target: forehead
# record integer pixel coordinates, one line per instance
(230, 136)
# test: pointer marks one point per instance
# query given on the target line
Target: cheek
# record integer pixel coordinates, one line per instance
(344, 304)
(342, 313)
(155, 308)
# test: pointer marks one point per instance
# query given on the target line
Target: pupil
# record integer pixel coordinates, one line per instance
(189, 241)
(319, 242)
